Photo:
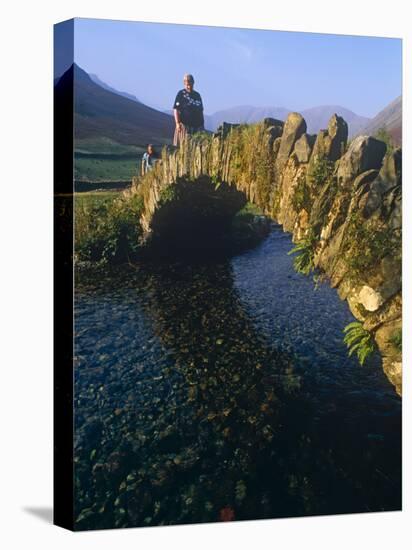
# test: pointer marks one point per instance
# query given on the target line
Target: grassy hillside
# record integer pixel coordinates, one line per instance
(111, 131)
(105, 145)
(389, 119)
(103, 113)
(95, 168)
(103, 160)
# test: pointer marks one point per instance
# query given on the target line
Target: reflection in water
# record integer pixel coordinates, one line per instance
(198, 398)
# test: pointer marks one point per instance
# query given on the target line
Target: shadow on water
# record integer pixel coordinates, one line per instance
(187, 410)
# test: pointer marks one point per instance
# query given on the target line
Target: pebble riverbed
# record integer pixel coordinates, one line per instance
(222, 390)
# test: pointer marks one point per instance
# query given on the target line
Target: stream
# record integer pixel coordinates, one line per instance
(221, 390)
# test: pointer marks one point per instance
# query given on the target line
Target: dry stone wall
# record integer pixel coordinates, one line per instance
(347, 196)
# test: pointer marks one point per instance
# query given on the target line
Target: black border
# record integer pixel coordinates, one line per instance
(63, 479)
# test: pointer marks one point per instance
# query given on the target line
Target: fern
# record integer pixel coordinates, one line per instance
(359, 340)
(305, 249)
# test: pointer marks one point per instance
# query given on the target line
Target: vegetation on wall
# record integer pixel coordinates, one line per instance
(367, 242)
(305, 251)
(251, 160)
(168, 194)
(301, 197)
(216, 181)
(396, 339)
(318, 192)
(321, 171)
(359, 340)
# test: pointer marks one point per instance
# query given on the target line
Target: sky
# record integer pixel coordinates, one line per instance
(235, 66)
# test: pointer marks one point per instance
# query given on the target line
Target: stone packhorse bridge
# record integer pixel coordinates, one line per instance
(342, 200)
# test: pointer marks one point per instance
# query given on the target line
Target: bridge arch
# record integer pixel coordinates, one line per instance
(236, 164)
(346, 198)
(193, 216)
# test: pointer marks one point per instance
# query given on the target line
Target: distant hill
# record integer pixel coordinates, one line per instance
(103, 113)
(244, 114)
(317, 118)
(390, 118)
(97, 80)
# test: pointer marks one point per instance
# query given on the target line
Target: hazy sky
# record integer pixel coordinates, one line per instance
(241, 66)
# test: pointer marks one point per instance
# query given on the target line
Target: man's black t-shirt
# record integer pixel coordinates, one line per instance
(190, 107)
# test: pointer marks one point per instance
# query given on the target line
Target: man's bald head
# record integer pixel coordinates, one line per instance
(188, 78)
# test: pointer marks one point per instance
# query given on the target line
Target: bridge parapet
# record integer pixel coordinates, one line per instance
(346, 198)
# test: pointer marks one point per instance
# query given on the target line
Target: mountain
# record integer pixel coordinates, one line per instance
(102, 113)
(317, 118)
(102, 84)
(390, 118)
(63, 133)
(243, 114)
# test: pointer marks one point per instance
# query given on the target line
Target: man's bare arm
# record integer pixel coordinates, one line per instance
(177, 116)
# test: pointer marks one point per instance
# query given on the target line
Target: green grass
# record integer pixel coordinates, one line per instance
(248, 209)
(85, 205)
(106, 145)
(104, 160)
(105, 170)
(91, 198)
(245, 216)
(107, 227)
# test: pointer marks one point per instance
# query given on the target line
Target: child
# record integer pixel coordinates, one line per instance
(149, 159)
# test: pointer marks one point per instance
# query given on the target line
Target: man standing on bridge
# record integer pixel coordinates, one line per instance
(188, 111)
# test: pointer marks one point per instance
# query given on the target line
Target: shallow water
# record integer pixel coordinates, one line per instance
(222, 391)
